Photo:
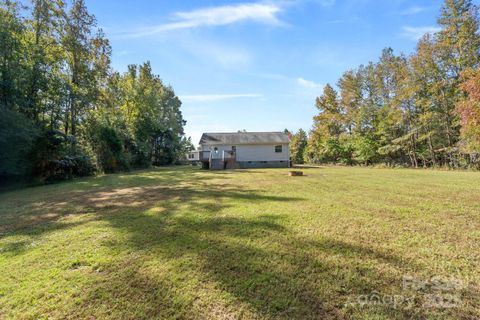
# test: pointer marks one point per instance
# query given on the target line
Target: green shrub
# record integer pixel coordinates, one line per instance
(57, 156)
(108, 145)
(17, 135)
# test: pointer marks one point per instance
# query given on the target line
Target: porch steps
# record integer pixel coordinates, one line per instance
(216, 164)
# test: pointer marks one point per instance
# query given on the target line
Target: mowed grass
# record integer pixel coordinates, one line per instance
(181, 243)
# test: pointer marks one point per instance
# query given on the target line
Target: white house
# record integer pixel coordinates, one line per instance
(243, 150)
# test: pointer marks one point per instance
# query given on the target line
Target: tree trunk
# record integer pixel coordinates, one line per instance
(73, 99)
(414, 153)
(67, 117)
(412, 163)
(432, 151)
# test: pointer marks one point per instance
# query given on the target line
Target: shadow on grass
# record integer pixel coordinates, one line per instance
(117, 194)
(177, 227)
(108, 193)
(257, 261)
(306, 166)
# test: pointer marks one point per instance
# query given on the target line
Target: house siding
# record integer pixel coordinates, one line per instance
(255, 156)
(261, 153)
(193, 156)
(264, 152)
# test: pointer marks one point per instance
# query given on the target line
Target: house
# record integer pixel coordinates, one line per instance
(243, 150)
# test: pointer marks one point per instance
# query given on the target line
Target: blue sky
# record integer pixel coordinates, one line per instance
(257, 65)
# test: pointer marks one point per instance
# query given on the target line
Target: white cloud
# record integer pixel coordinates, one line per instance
(413, 10)
(307, 84)
(416, 33)
(216, 97)
(216, 16)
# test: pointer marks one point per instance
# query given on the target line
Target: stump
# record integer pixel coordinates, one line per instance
(295, 173)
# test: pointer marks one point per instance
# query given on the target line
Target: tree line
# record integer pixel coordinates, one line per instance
(421, 110)
(64, 111)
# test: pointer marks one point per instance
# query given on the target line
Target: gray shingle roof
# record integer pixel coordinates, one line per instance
(235, 138)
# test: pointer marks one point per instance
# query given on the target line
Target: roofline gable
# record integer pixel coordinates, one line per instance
(244, 138)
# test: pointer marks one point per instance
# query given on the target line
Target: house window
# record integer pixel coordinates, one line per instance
(215, 150)
(191, 156)
(234, 148)
(278, 149)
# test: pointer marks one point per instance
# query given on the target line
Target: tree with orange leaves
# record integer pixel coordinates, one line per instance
(469, 112)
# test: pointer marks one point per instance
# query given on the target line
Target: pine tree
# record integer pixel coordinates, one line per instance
(298, 145)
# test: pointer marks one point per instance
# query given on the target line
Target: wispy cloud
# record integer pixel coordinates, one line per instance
(416, 33)
(217, 97)
(413, 10)
(216, 16)
(307, 84)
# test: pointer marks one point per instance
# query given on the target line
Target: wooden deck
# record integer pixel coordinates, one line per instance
(218, 160)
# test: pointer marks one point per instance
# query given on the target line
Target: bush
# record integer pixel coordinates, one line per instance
(69, 167)
(56, 156)
(365, 149)
(108, 145)
(17, 135)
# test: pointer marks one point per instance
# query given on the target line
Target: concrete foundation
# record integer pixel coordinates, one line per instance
(263, 164)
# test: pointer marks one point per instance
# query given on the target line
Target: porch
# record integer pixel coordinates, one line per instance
(218, 160)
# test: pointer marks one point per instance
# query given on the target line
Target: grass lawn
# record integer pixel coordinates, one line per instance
(181, 243)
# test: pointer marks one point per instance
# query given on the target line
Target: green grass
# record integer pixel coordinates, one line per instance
(248, 244)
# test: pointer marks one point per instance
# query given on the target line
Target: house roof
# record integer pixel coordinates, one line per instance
(234, 138)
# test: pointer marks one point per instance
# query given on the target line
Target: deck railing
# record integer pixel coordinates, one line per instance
(228, 154)
(224, 156)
